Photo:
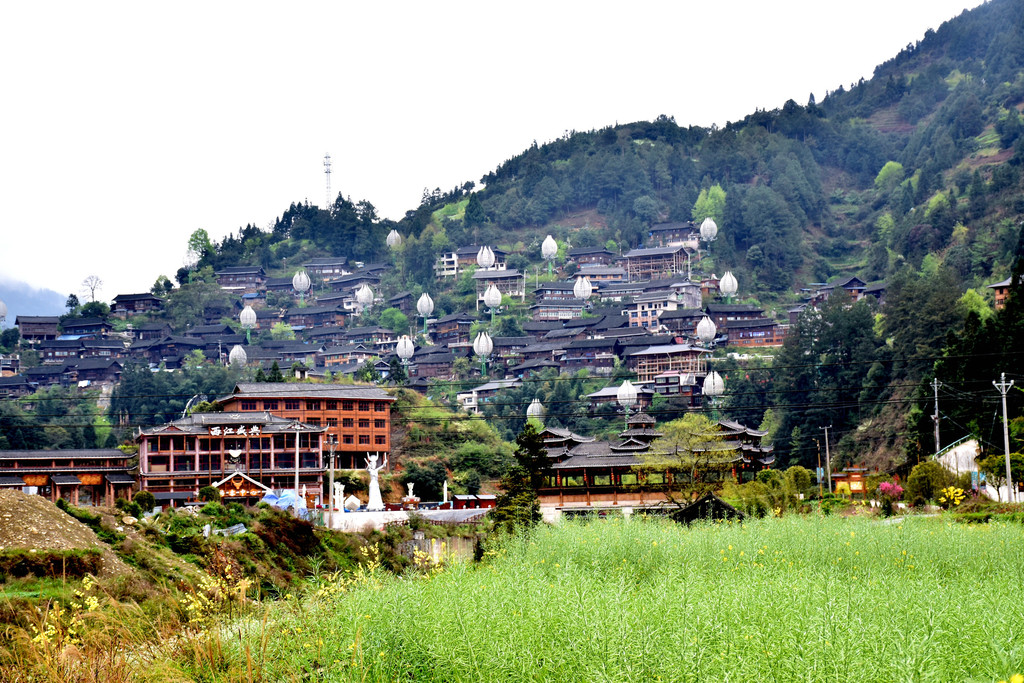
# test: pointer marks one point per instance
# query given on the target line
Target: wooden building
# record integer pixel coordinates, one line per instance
(357, 418)
(179, 458)
(80, 476)
(125, 305)
(241, 279)
(590, 475)
(655, 262)
(649, 362)
(37, 328)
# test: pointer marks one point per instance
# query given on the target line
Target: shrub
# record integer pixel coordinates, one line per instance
(925, 482)
(209, 494)
(145, 499)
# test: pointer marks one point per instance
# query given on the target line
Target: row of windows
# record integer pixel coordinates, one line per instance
(364, 439)
(291, 404)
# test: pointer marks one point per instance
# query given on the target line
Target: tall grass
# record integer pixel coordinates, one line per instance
(792, 599)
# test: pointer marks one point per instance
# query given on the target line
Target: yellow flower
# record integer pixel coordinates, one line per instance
(1017, 678)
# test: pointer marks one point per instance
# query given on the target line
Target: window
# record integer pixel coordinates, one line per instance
(364, 424)
(364, 439)
(312, 405)
(378, 424)
(270, 405)
(380, 407)
(346, 438)
(248, 405)
(346, 405)
(572, 481)
(332, 422)
(292, 405)
(364, 406)
(347, 422)
(380, 440)
(332, 405)
(628, 479)
(315, 421)
(602, 480)
(655, 477)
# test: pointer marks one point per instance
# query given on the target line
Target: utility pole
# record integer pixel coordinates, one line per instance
(828, 459)
(935, 417)
(818, 444)
(1003, 386)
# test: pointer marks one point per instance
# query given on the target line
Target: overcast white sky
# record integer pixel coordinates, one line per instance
(127, 125)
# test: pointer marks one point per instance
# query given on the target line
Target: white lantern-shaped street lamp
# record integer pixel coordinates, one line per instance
(300, 283)
(713, 387)
(706, 330)
(482, 346)
(626, 396)
(485, 257)
(3, 311)
(583, 288)
(492, 299)
(393, 239)
(728, 285)
(364, 296)
(247, 319)
(238, 357)
(425, 306)
(708, 229)
(404, 349)
(535, 411)
(548, 251)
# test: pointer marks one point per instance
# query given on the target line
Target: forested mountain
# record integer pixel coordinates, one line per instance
(912, 177)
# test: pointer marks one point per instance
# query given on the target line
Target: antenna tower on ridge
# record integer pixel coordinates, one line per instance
(327, 172)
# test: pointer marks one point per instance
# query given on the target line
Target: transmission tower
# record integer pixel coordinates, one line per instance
(327, 172)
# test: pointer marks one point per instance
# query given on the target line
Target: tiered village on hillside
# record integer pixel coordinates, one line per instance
(644, 310)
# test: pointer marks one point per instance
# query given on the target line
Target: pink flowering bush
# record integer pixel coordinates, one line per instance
(891, 490)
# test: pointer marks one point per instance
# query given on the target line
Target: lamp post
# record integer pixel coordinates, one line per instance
(3, 311)
(393, 240)
(300, 283)
(626, 396)
(548, 251)
(713, 387)
(706, 330)
(482, 346)
(583, 288)
(728, 285)
(364, 297)
(247, 319)
(485, 257)
(535, 411)
(425, 306)
(708, 230)
(332, 442)
(492, 299)
(405, 348)
(238, 357)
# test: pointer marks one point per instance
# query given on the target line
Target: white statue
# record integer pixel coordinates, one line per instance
(409, 486)
(444, 491)
(375, 502)
(339, 493)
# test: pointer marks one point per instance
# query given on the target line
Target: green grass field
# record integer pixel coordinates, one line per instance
(791, 599)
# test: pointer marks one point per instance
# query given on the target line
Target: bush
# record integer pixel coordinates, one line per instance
(145, 500)
(925, 482)
(209, 494)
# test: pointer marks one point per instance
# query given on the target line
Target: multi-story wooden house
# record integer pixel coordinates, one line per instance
(80, 476)
(357, 418)
(239, 279)
(649, 362)
(125, 305)
(206, 449)
(37, 328)
(655, 262)
(586, 475)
